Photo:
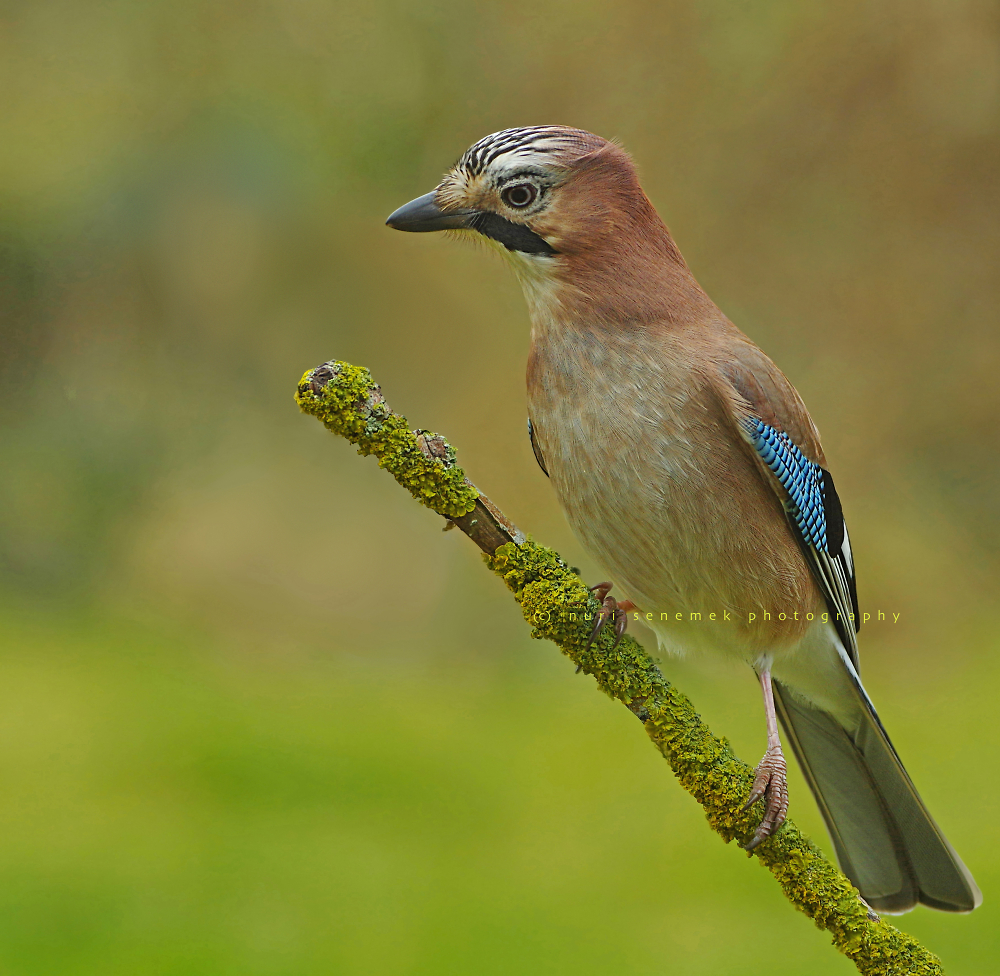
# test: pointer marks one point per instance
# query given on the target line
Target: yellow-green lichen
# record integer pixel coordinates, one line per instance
(555, 601)
(349, 403)
(557, 604)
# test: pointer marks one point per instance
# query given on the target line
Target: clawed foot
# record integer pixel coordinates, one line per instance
(611, 609)
(771, 784)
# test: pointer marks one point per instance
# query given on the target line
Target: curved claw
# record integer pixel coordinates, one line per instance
(621, 622)
(607, 611)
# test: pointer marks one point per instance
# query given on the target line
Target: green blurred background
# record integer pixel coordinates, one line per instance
(257, 714)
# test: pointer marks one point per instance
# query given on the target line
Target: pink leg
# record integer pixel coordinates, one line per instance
(771, 779)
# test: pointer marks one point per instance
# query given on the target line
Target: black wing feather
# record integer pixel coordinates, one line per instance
(535, 449)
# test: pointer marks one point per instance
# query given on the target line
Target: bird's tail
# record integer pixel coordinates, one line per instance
(886, 841)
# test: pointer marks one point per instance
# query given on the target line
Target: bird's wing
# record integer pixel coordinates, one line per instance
(774, 423)
(886, 841)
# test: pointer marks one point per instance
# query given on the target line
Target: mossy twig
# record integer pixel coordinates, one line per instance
(557, 604)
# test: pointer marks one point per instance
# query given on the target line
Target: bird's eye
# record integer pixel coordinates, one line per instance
(519, 196)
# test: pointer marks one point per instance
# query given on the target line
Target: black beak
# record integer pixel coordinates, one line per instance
(423, 214)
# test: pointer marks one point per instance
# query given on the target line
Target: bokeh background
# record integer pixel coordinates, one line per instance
(257, 714)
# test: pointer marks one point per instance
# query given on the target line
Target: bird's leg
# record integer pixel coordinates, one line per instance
(771, 779)
(611, 609)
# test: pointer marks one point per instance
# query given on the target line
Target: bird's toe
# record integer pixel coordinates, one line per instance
(611, 609)
(770, 784)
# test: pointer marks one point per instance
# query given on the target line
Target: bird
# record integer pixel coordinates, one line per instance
(688, 466)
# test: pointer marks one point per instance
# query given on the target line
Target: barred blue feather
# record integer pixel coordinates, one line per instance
(800, 477)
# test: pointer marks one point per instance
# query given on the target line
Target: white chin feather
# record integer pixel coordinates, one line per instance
(536, 273)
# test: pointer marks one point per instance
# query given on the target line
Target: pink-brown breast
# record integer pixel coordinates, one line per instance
(660, 487)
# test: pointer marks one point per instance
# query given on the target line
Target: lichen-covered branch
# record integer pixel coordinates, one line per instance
(557, 604)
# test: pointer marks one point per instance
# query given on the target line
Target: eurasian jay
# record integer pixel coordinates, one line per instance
(689, 467)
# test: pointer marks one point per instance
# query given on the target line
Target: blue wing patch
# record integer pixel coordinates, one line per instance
(812, 504)
(800, 477)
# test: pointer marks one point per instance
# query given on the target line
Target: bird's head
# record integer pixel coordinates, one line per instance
(566, 207)
(510, 187)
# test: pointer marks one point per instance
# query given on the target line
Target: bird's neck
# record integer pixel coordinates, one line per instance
(633, 281)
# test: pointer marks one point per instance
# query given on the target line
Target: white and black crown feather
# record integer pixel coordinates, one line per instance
(545, 141)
